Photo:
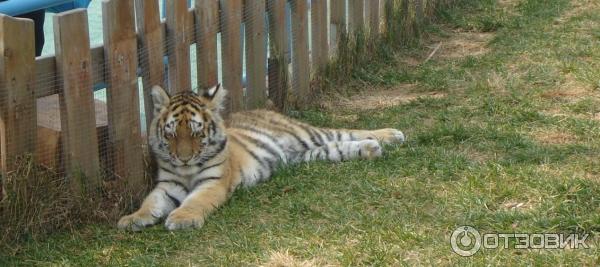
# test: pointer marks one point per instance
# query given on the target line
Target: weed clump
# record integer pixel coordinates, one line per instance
(37, 201)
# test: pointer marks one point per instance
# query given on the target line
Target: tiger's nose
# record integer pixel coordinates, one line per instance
(185, 159)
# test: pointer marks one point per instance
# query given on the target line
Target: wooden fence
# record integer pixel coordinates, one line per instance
(92, 136)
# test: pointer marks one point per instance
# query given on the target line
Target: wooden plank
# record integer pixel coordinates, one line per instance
(123, 102)
(338, 22)
(231, 52)
(356, 9)
(320, 49)
(179, 36)
(46, 82)
(405, 18)
(405, 10)
(256, 53)
(48, 149)
(278, 44)
(419, 17)
(388, 14)
(150, 51)
(374, 18)
(17, 97)
(300, 56)
(207, 27)
(73, 63)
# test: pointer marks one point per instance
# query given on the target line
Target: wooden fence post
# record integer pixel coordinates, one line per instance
(178, 45)
(278, 43)
(231, 52)
(256, 53)
(207, 27)
(151, 51)
(300, 57)
(120, 52)
(388, 13)
(356, 9)
(405, 14)
(338, 22)
(419, 17)
(374, 18)
(74, 68)
(320, 51)
(18, 130)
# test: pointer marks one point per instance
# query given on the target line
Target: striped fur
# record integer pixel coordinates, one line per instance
(202, 159)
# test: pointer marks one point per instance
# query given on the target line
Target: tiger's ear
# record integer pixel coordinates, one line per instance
(216, 95)
(160, 99)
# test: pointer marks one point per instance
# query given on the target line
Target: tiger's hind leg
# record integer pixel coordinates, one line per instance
(340, 151)
(385, 136)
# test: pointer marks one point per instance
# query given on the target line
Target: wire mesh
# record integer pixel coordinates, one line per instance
(265, 52)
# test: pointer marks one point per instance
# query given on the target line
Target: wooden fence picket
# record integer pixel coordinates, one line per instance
(338, 22)
(356, 9)
(179, 35)
(374, 18)
(300, 56)
(231, 52)
(320, 46)
(74, 68)
(120, 51)
(151, 51)
(256, 53)
(18, 130)
(278, 44)
(207, 27)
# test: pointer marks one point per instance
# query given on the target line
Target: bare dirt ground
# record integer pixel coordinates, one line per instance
(458, 45)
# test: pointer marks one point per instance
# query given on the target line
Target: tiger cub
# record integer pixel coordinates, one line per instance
(202, 159)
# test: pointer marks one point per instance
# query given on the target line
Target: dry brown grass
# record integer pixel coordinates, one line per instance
(39, 201)
(553, 137)
(463, 44)
(571, 90)
(477, 156)
(579, 7)
(570, 171)
(36, 203)
(285, 259)
(378, 98)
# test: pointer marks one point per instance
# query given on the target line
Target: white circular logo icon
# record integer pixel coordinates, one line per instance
(465, 241)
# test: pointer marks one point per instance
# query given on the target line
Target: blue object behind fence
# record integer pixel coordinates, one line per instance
(68, 6)
(18, 7)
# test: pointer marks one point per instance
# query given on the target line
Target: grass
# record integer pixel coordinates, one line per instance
(512, 146)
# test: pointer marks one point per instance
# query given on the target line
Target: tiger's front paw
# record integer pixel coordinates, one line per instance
(136, 222)
(390, 136)
(183, 218)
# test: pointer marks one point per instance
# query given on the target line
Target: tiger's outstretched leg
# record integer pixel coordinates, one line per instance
(165, 197)
(339, 151)
(384, 136)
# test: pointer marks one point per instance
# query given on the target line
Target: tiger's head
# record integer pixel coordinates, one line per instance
(187, 128)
